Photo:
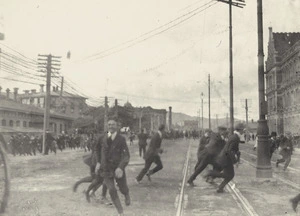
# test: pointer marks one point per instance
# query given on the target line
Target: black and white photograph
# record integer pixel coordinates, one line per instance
(149, 108)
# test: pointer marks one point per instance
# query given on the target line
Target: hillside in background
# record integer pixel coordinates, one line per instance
(179, 118)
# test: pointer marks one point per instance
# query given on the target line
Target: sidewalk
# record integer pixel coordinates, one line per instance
(269, 197)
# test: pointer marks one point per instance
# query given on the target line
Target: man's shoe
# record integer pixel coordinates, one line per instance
(127, 200)
(105, 201)
(137, 181)
(220, 190)
(190, 183)
(294, 204)
(148, 175)
(87, 196)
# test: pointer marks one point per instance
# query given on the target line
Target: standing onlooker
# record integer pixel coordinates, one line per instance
(114, 158)
(152, 155)
(273, 143)
(142, 142)
(286, 151)
(131, 138)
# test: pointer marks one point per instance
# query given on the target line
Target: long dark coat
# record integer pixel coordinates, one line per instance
(154, 146)
(113, 154)
(227, 155)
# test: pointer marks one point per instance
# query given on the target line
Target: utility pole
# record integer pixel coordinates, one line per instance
(105, 113)
(140, 120)
(246, 108)
(202, 95)
(170, 118)
(227, 120)
(62, 86)
(116, 109)
(46, 62)
(263, 163)
(240, 4)
(209, 122)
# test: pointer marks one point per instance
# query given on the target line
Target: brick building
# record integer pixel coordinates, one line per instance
(282, 82)
(18, 117)
(61, 102)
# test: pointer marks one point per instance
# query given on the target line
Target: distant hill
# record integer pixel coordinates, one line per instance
(179, 118)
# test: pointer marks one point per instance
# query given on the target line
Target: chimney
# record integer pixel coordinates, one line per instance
(7, 93)
(42, 87)
(33, 91)
(270, 34)
(16, 93)
(170, 118)
(26, 92)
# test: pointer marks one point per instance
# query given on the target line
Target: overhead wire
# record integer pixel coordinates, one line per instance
(137, 40)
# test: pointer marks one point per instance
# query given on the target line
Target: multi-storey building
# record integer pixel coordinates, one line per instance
(61, 101)
(18, 117)
(282, 82)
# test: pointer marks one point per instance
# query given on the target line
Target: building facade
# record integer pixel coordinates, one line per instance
(61, 102)
(18, 117)
(283, 82)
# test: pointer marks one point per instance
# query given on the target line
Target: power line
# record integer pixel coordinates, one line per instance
(18, 53)
(130, 42)
(16, 80)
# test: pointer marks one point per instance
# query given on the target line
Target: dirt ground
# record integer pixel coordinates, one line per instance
(42, 185)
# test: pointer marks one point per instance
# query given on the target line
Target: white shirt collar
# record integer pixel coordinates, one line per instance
(160, 134)
(112, 135)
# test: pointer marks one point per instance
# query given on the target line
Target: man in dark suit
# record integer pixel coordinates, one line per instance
(152, 155)
(208, 155)
(115, 157)
(142, 142)
(227, 158)
(203, 142)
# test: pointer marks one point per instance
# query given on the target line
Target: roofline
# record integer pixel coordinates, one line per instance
(53, 115)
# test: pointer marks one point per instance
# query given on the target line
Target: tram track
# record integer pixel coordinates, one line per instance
(241, 201)
(285, 181)
(273, 162)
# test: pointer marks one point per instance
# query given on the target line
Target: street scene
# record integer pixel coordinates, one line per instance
(176, 108)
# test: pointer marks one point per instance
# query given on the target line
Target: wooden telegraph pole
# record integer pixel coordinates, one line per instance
(48, 62)
(240, 4)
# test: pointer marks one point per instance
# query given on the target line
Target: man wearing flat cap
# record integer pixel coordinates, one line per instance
(152, 155)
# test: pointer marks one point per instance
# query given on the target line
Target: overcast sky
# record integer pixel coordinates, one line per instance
(134, 50)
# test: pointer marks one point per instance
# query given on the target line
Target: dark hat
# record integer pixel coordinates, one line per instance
(207, 131)
(222, 128)
(273, 133)
(161, 127)
(239, 126)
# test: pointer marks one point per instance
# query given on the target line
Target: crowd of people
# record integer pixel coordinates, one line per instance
(26, 144)
(110, 157)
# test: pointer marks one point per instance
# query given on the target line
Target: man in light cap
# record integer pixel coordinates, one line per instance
(227, 158)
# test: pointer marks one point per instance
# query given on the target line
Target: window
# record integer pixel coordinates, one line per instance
(72, 108)
(18, 123)
(11, 123)
(3, 122)
(60, 128)
(24, 124)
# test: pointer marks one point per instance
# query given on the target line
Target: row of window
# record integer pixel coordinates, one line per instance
(11, 123)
